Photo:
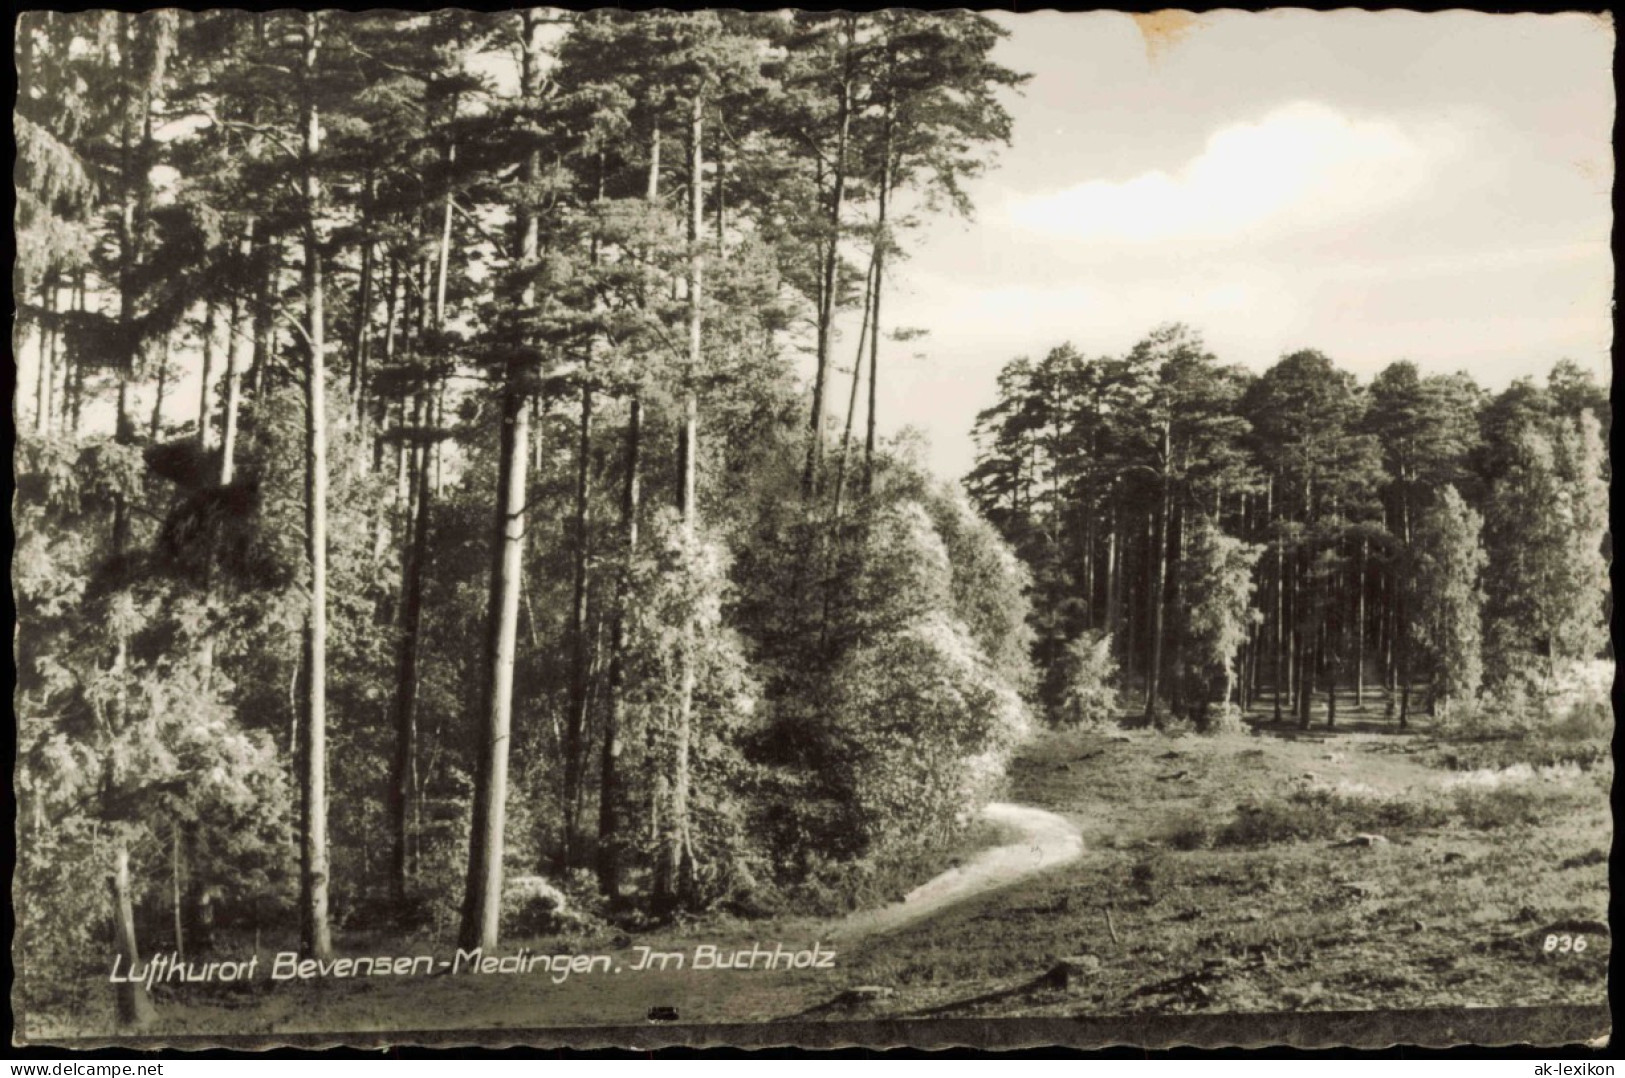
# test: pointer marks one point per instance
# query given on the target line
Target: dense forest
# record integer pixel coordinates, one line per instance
(1223, 539)
(494, 565)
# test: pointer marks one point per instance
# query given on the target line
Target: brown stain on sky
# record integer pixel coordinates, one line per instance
(1163, 29)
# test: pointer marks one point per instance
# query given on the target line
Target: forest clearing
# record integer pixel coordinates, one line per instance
(475, 570)
(1174, 904)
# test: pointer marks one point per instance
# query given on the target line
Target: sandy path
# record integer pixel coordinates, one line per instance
(1042, 840)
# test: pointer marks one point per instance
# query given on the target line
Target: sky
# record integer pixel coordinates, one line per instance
(1375, 185)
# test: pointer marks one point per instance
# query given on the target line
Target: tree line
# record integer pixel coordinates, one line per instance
(497, 536)
(1228, 539)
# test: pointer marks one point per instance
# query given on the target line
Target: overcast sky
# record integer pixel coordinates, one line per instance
(1374, 185)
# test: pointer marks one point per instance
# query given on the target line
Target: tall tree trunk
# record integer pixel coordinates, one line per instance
(45, 373)
(1158, 582)
(483, 897)
(1113, 571)
(360, 337)
(176, 908)
(482, 902)
(1331, 646)
(882, 239)
(609, 793)
(135, 1008)
(1359, 630)
(829, 279)
(1131, 605)
(1280, 602)
(134, 179)
(156, 426)
(580, 654)
(581, 649)
(234, 380)
(869, 297)
(205, 411)
(1390, 619)
(403, 764)
(1402, 626)
(425, 454)
(609, 767)
(266, 298)
(78, 368)
(58, 394)
(315, 934)
(393, 303)
(673, 875)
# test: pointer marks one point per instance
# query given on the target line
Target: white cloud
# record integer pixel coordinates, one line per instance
(1302, 162)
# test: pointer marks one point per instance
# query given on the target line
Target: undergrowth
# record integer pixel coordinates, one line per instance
(1319, 814)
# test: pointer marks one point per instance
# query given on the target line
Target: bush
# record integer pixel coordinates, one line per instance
(1195, 831)
(531, 906)
(926, 725)
(1303, 816)
(1496, 807)
(1574, 704)
(1567, 721)
(1089, 693)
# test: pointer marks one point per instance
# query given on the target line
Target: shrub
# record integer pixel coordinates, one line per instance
(1495, 807)
(531, 906)
(1573, 703)
(1195, 831)
(1265, 823)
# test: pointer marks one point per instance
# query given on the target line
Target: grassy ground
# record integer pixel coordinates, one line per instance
(1268, 871)
(1215, 878)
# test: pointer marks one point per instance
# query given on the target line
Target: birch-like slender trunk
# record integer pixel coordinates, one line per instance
(176, 909)
(134, 1006)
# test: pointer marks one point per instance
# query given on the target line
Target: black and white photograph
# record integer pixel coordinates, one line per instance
(623, 528)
